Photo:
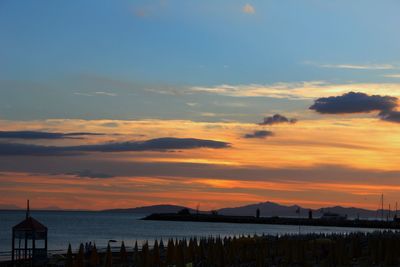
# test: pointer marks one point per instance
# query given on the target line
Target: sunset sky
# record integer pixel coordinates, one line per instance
(118, 104)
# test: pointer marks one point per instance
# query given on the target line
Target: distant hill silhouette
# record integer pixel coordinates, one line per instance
(267, 209)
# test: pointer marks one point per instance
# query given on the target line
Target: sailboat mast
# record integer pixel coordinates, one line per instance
(382, 207)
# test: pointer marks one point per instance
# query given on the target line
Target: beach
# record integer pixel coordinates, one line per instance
(353, 249)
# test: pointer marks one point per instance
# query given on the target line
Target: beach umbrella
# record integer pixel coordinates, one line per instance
(170, 260)
(80, 257)
(190, 250)
(94, 257)
(156, 255)
(136, 259)
(123, 255)
(180, 256)
(69, 262)
(145, 255)
(108, 259)
(390, 253)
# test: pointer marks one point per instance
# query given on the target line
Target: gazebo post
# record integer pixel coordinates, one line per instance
(13, 248)
(19, 248)
(26, 246)
(33, 248)
(45, 241)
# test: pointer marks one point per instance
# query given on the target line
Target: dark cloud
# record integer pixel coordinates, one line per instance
(41, 135)
(166, 143)
(90, 174)
(160, 144)
(276, 119)
(354, 102)
(391, 116)
(259, 134)
(13, 149)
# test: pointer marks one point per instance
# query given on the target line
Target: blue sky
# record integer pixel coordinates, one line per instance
(271, 80)
(54, 52)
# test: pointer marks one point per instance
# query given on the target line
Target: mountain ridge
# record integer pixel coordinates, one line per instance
(267, 209)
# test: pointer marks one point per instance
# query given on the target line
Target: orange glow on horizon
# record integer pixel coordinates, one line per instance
(364, 144)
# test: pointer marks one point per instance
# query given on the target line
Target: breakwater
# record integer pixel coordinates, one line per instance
(376, 224)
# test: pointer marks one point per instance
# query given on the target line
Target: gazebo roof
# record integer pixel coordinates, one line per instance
(30, 224)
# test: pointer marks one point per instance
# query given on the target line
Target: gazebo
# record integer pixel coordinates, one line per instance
(29, 242)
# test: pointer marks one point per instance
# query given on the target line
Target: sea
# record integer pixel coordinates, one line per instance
(102, 228)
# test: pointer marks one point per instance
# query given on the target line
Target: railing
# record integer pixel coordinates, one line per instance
(28, 253)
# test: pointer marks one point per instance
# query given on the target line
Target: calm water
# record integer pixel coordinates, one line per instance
(81, 227)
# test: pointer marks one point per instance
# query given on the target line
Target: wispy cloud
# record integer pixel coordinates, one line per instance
(354, 66)
(298, 90)
(191, 104)
(396, 75)
(229, 104)
(105, 93)
(82, 94)
(248, 9)
(208, 114)
(98, 93)
(90, 174)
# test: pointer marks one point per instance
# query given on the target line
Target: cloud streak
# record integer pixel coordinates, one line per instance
(397, 75)
(42, 135)
(90, 174)
(98, 93)
(259, 134)
(358, 66)
(105, 93)
(296, 90)
(159, 144)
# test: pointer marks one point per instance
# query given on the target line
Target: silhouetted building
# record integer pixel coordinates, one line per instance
(29, 242)
(310, 214)
(258, 213)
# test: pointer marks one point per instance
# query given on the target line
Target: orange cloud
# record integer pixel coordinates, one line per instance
(248, 9)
